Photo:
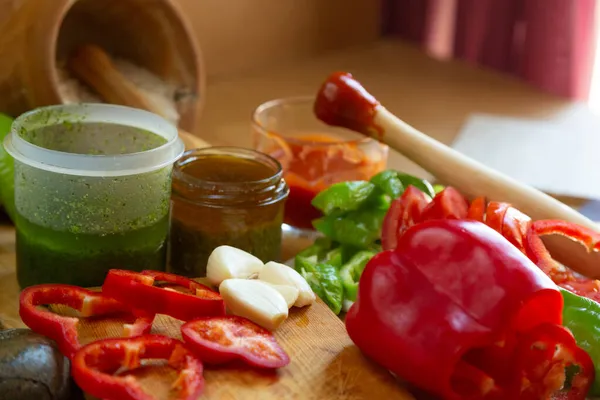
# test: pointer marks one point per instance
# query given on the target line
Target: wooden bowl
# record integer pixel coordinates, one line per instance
(150, 33)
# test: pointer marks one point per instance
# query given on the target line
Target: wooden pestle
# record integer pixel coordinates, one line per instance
(93, 66)
(343, 101)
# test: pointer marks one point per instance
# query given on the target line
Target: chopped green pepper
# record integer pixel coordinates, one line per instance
(306, 267)
(359, 228)
(332, 286)
(334, 257)
(343, 196)
(389, 182)
(353, 214)
(351, 272)
(319, 248)
(393, 183)
(323, 279)
(582, 317)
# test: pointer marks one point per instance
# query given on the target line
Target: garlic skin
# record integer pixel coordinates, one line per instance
(255, 300)
(289, 293)
(280, 274)
(227, 262)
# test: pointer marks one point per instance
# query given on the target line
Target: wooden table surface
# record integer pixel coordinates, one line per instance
(436, 97)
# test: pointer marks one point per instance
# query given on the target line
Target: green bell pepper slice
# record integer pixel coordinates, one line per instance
(351, 271)
(323, 279)
(393, 183)
(582, 316)
(306, 266)
(331, 283)
(360, 228)
(342, 197)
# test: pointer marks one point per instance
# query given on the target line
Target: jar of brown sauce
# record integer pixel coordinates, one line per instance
(225, 195)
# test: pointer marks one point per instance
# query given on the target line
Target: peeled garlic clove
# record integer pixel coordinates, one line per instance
(289, 293)
(226, 262)
(281, 274)
(255, 300)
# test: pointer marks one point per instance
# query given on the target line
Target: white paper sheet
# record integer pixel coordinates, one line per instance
(557, 157)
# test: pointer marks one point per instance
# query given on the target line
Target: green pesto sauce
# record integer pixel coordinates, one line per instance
(93, 138)
(45, 255)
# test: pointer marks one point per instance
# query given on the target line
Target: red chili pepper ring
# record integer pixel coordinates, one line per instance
(95, 365)
(63, 329)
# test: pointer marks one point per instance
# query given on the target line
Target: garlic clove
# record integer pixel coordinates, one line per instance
(227, 262)
(280, 274)
(289, 293)
(255, 300)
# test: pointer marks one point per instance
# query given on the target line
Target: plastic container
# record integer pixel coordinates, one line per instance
(92, 190)
(225, 195)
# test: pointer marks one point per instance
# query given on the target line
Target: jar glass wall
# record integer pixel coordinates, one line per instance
(225, 196)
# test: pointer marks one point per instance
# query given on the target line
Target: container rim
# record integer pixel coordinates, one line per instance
(93, 165)
(227, 191)
(306, 100)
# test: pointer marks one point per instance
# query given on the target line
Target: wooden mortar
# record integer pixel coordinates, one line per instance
(153, 34)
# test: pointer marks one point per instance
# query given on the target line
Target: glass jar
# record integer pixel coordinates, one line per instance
(313, 155)
(225, 196)
(92, 190)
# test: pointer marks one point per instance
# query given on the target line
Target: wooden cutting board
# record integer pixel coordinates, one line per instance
(324, 362)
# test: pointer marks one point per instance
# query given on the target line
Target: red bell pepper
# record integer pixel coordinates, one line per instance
(180, 297)
(63, 329)
(451, 307)
(219, 340)
(98, 367)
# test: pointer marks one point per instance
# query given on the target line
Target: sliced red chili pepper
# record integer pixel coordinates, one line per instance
(447, 204)
(403, 213)
(96, 367)
(494, 215)
(477, 209)
(218, 340)
(138, 290)
(515, 227)
(542, 358)
(586, 237)
(63, 329)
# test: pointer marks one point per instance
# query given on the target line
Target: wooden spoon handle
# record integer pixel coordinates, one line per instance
(469, 176)
(94, 67)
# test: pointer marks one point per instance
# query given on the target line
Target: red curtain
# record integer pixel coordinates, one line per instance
(549, 43)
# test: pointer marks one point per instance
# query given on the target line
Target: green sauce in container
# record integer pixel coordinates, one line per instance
(92, 190)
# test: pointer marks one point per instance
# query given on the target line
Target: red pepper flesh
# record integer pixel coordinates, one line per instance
(447, 204)
(138, 290)
(63, 329)
(404, 212)
(219, 340)
(96, 365)
(540, 373)
(450, 289)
